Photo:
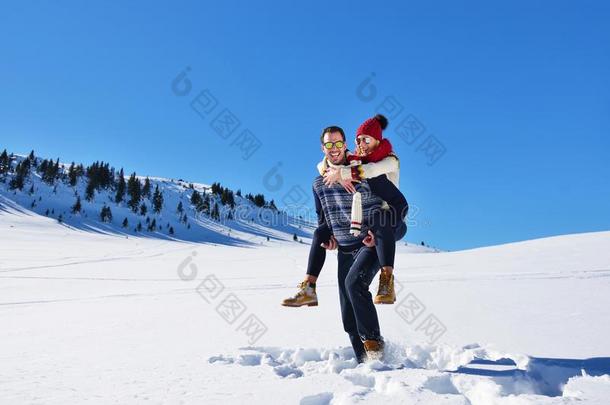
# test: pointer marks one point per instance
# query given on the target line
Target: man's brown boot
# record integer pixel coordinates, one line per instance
(374, 349)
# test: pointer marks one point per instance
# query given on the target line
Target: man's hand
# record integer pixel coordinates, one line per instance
(369, 240)
(331, 245)
(332, 176)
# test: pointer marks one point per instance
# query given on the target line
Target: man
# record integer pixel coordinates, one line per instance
(357, 259)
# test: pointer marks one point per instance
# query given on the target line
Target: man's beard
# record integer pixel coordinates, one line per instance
(336, 160)
(340, 161)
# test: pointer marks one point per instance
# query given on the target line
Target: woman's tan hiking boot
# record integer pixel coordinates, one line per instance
(305, 296)
(385, 293)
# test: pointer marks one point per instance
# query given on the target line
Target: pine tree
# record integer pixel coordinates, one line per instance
(106, 214)
(50, 171)
(146, 189)
(180, 208)
(120, 188)
(22, 171)
(5, 163)
(100, 174)
(31, 190)
(227, 197)
(139, 227)
(134, 190)
(259, 200)
(42, 168)
(112, 178)
(125, 223)
(143, 209)
(215, 213)
(195, 198)
(171, 230)
(77, 206)
(80, 170)
(90, 191)
(157, 200)
(295, 237)
(72, 175)
(204, 205)
(32, 158)
(153, 225)
(216, 188)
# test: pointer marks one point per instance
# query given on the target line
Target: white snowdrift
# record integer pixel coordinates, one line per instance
(97, 318)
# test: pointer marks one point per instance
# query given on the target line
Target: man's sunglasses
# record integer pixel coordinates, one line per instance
(365, 139)
(338, 144)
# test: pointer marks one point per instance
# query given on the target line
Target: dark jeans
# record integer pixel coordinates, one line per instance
(357, 269)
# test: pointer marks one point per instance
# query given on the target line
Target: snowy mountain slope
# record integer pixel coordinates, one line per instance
(92, 317)
(244, 224)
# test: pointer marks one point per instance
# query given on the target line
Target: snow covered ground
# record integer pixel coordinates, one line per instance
(96, 318)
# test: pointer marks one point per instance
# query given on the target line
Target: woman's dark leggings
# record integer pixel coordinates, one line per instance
(387, 231)
(386, 234)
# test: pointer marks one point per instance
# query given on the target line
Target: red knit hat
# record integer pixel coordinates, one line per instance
(373, 127)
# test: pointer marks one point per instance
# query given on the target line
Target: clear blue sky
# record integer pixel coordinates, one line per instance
(518, 93)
